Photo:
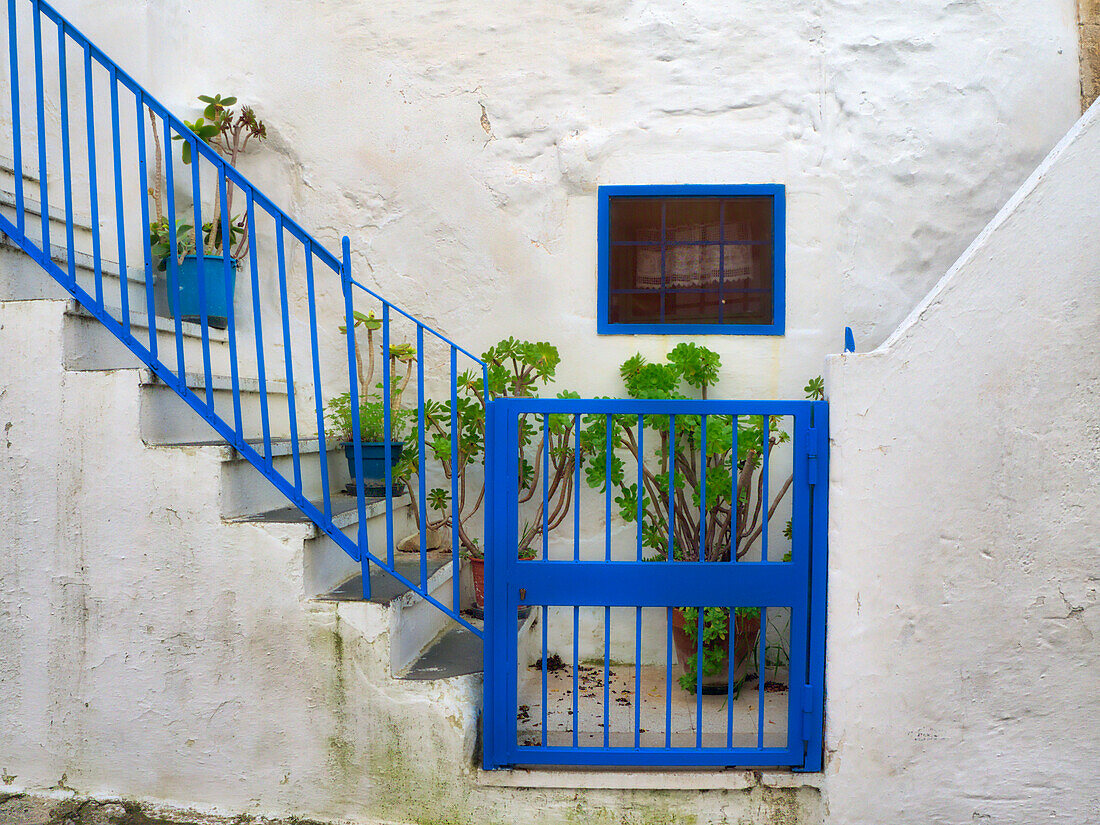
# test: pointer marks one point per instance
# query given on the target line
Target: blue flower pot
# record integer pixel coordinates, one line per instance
(374, 458)
(183, 290)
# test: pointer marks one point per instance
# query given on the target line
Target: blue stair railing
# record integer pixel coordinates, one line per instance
(105, 176)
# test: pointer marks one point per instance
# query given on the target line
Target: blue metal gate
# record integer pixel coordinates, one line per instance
(677, 619)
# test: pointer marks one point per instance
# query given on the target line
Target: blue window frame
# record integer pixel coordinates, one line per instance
(692, 260)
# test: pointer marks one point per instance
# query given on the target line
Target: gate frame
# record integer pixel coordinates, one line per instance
(499, 747)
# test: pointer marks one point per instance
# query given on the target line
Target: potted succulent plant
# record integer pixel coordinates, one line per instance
(733, 506)
(229, 132)
(517, 369)
(372, 413)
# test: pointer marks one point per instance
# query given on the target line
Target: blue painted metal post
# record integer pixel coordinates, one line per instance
(16, 129)
(43, 178)
(66, 154)
(357, 433)
(849, 340)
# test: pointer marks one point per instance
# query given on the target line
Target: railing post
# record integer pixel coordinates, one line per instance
(356, 434)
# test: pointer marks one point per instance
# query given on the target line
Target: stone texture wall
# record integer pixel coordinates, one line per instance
(964, 597)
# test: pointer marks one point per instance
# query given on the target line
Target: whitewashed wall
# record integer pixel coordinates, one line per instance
(964, 585)
(899, 129)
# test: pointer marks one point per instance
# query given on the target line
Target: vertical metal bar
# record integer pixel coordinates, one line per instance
(671, 487)
(422, 482)
(93, 176)
(606, 676)
(356, 432)
(228, 270)
(456, 564)
(386, 429)
(143, 181)
(289, 359)
(545, 485)
(607, 488)
(668, 677)
(545, 711)
(172, 269)
(66, 153)
(318, 396)
(761, 674)
(671, 557)
(731, 670)
(576, 557)
(699, 678)
(703, 489)
(734, 475)
(257, 321)
(638, 610)
(576, 669)
(200, 265)
(41, 121)
(16, 128)
(765, 437)
(120, 207)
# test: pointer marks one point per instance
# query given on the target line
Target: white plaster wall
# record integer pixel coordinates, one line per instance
(151, 652)
(898, 130)
(964, 579)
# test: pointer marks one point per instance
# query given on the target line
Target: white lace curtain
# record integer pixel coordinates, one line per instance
(696, 266)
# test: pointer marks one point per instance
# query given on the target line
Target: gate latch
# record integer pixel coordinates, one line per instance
(523, 594)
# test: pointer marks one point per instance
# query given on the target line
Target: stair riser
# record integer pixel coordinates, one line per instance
(245, 491)
(91, 346)
(24, 280)
(326, 563)
(82, 231)
(415, 623)
(165, 419)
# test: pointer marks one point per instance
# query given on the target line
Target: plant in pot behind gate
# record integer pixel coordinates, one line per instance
(372, 413)
(693, 529)
(229, 132)
(516, 369)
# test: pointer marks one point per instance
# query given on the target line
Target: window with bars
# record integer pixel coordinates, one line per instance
(691, 260)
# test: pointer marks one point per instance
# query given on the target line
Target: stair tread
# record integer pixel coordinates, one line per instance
(197, 381)
(279, 446)
(165, 323)
(33, 206)
(458, 652)
(384, 588)
(84, 260)
(342, 504)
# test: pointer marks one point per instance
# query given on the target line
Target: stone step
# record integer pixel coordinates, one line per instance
(244, 491)
(457, 652)
(58, 220)
(23, 279)
(91, 346)
(165, 419)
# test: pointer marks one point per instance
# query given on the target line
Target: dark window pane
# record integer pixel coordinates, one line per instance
(748, 219)
(635, 307)
(689, 214)
(635, 220)
(742, 306)
(635, 267)
(692, 307)
(712, 264)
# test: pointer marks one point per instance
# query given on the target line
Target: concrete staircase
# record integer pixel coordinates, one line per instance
(52, 343)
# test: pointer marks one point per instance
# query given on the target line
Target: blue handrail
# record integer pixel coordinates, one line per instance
(287, 242)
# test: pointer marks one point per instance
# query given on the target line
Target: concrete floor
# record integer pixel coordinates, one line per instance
(653, 693)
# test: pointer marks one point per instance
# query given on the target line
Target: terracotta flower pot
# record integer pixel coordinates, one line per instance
(746, 631)
(477, 568)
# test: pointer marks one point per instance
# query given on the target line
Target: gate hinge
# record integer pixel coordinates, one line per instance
(811, 456)
(808, 706)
